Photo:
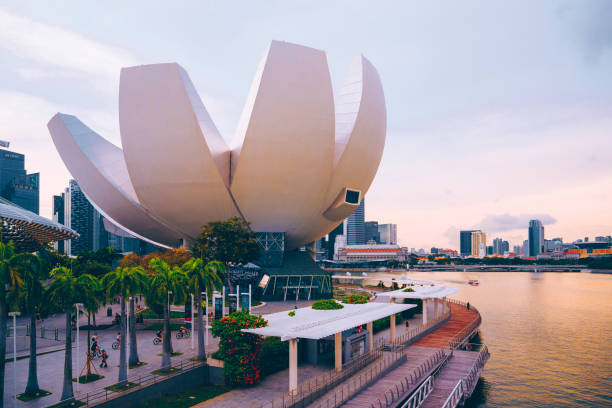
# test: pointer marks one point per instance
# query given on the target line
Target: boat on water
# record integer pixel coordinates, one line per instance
(473, 282)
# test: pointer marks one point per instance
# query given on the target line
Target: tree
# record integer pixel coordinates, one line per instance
(131, 259)
(231, 242)
(173, 257)
(203, 278)
(166, 279)
(32, 271)
(126, 282)
(10, 282)
(93, 296)
(65, 290)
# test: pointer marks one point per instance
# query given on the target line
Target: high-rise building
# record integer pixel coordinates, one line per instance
(355, 234)
(371, 232)
(505, 247)
(465, 242)
(388, 234)
(479, 244)
(500, 247)
(525, 248)
(536, 237)
(15, 184)
(331, 240)
(490, 250)
(516, 249)
(58, 216)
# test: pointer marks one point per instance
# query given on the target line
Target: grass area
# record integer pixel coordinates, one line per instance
(90, 378)
(174, 354)
(160, 372)
(25, 398)
(341, 294)
(96, 327)
(140, 363)
(120, 388)
(75, 403)
(150, 314)
(255, 302)
(187, 398)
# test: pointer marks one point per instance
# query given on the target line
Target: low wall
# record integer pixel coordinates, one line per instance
(177, 383)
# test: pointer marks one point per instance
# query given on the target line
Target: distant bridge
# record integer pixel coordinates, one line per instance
(502, 268)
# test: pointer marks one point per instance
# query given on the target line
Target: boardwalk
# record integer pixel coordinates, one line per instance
(457, 368)
(460, 318)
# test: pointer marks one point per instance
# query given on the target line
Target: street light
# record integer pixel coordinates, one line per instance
(127, 328)
(206, 322)
(14, 315)
(77, 306)
(192, 331)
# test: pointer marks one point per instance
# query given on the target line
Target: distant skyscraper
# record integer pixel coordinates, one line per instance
(355, 234)
(525, 248)
(331, 240)
(490, 250)
(505, 247)
(500, 246)
(58, 216)
(388, 233)
(371, 232)
(465, 242)
(516, 249)
(479, 244)
(536, 237)
(15, 184)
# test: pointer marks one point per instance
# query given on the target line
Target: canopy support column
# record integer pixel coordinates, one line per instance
(370, 327)
(425, 311)
(293, 366)
(338, 350)
(392, 331)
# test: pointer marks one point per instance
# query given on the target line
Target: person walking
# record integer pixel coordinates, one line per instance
(468, 305)
(104, 364)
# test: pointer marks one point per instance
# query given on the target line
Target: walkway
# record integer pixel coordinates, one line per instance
(460, 319)
(457, 368)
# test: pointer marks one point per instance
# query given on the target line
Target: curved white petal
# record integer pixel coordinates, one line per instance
(99, 168)
(281, 171)
(177, 160)
(361, 122)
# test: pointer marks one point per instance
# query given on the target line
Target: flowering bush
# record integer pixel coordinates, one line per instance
(409, 290)
(355, 299)
(326, 304)
(292, 313)
(241, 351)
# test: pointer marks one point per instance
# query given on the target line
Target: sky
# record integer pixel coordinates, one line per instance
(497, 111)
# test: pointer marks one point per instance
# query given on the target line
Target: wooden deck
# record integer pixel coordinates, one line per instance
(460, 318)
(457, 368)
(416, 356)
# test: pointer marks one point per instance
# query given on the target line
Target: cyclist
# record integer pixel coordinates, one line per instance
(158, 333)
(183, 330)
(103, 364)
(118, 338)
(94, 344)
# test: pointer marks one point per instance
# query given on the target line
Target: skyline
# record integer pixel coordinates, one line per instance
(484, 132)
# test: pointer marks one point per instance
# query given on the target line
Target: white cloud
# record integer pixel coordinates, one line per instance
(61, 50)
(507, 222)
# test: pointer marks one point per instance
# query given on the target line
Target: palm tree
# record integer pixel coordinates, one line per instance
(66, 290)
(92, 300)
(10, 282)
(30, 301)
(203, 278)
(125, 282)
(166, 279)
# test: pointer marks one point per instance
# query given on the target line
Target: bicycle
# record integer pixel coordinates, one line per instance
(157, 340)
(116, 345)
(183, 334)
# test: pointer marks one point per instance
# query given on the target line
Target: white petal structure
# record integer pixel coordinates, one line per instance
(296, 166)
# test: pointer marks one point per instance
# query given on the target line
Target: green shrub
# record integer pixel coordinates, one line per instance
(409, 290)
(355, 300)
(326, 304)
(274, 355)
(241, 351)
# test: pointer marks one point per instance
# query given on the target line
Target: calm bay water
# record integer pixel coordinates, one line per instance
(550, 337)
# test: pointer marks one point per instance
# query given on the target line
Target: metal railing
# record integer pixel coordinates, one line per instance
(308, 391)
(395, 393)
(455, 396)
(353, 386)
(136, 381)
(414, 332)
(42, 332)
(466, 385)
(468, 331)
(420, 394)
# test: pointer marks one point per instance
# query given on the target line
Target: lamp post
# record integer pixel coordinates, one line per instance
(127, 328)
(206, 322)
(192, 332)
(14, 315)
(77, 306)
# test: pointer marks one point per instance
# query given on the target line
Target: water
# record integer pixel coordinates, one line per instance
(549, 334)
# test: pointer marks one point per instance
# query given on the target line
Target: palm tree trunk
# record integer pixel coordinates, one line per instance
(229, 283)
(166, 349)
(67, 393)
(200, 326)
(88, 353)
(3, 321)
(133, 347)
(32, 387)
(122, 354)
(94, 320)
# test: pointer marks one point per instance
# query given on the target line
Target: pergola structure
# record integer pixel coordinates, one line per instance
(308, 323)
(427, 293)
(28, 230)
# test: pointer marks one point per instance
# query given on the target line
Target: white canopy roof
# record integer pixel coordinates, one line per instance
(420, 292)
(399, 281)
(317, 324)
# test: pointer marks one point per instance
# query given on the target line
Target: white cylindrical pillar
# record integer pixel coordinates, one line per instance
(392, 329)
(425, 311)
(293, 366)
(338, 351)
(370, 327)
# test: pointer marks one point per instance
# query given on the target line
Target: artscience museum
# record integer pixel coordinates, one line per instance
(300, 162)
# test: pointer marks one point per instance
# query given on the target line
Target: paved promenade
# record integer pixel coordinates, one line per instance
(50, 366)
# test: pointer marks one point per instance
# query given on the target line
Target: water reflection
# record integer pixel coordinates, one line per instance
(549, 334)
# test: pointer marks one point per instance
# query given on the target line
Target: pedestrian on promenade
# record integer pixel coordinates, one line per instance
(468, 305)
(103, 364)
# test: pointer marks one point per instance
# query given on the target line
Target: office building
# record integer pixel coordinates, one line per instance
(500, 247)
(365, 253)
(16, 185)
(372, 236)
(388, 234)
(516, 249)
(490, 250)
(355, 226)
(536, 237)
(465, 242)
(479, 244)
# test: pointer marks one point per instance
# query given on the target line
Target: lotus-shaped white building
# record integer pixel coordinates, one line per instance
(299, 163)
